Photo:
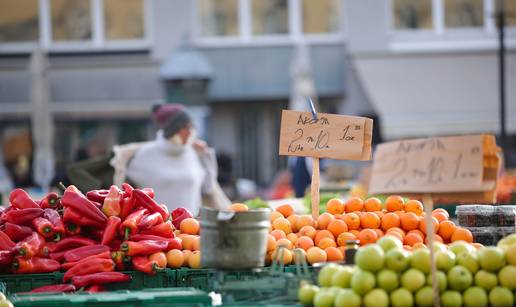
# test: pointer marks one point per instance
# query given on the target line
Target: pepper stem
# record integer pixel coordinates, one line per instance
(62, 186)
(127, 233)
(57, 238)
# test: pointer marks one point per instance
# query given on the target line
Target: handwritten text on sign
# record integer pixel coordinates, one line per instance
(328, 136)
(446, 164)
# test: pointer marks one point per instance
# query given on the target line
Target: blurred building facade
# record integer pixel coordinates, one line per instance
(425, 67)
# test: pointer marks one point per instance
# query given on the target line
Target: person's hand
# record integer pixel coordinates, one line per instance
(199, 145)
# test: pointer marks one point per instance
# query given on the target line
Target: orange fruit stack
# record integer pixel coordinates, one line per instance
(325, 238)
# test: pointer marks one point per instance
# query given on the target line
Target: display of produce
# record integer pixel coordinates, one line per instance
(91, 236)
(388, 275)
(367, 221)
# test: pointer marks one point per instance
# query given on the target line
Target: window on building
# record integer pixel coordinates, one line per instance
(463, 13)
(321, 16)
(219, 17)
(510, 11)
(410, 14)
(71, 20)
(123, 19)
(269, 17)
(19, 20)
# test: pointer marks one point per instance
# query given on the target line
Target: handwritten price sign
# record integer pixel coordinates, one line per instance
(328, 136)
(445, 164)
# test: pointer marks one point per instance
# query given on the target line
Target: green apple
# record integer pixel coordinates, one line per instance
(326, 274)
(324, 298)
(451, 299)
(459, 278)
(2, 297)
(370, 258)
(342, 278)
(306, 294)
(376, 298)
(469, 261)
(347, 298)
(510, 254)
(6, 303)
(507, 277)
(362, 282)
(397, 259)
(475, 296)
(491, 258)
(420, 259)
(387, 280)
(500, 296)
(458, 247)
(388, 242)
(507, 241)
(413, 280)
(486, 280)
(438, 246)
(444, 260)
(402, 298)
(425, 296)
(441, 280)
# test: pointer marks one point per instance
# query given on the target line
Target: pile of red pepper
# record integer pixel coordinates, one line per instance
(88, 236)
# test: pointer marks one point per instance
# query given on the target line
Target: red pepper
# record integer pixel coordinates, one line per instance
(35, 265)
(90, 266)
(6, 257)
(72, 229)
(72, 242)
(130, 224)
(69, 265)
(99, 278)
(115, 244)
(163, 230)
(111, 204)
(95, 234)
(146, 201)
(30, 246)
(97, 195)
(16, 232)
(43, 227)
(21, 200)
(128, 202)
(149, 191)
(58, 256)
(119, 258)
(144, 264)
(179, 214)
(44, 252)
(51, 200)
(111, 230)
(73, 198)
(22, 216)
(73, 216)
(150, 220)
(95, 289)
(57, 223)
(5, 242)
(62, 288)
(144, 247)
(173, 243)
(79, 253)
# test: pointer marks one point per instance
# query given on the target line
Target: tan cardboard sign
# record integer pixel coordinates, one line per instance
(434, 165)
(329, 136)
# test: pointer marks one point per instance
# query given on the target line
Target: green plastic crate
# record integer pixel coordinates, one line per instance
(26, 282)
(200, 278)
(125, 298)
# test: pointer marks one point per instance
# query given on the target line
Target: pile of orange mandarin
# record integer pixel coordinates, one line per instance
(324, 239)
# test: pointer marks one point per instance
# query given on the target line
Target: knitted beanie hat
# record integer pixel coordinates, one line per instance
(170, 118)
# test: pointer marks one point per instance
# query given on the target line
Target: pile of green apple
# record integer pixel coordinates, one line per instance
(387, 275)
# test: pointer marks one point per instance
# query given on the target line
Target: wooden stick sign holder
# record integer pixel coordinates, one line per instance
(321, 135)
(454, 170)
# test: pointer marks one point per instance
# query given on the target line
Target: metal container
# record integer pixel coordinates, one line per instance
(234, 240)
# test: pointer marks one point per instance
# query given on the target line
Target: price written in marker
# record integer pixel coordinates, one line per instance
(327, 136)
(446, 164)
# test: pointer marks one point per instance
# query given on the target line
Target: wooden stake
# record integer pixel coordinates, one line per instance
(314, 189)
(428, 204)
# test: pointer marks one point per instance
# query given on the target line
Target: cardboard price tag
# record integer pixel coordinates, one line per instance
(328, 136)
(433, 165)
